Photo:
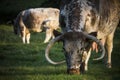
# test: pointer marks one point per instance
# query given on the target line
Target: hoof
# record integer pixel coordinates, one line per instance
(109, 65)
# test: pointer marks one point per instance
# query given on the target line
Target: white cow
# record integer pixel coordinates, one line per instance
(35, 20)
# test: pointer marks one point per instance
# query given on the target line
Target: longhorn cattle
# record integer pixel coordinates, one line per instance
(35, 20)
(84, 22)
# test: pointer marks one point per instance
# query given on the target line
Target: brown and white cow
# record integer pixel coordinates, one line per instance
(84, 22)
(35, 19)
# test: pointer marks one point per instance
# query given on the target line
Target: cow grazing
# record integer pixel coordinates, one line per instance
(35, 20)
(79, 19)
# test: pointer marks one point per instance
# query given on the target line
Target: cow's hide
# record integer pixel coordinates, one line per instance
(36, 20)
(80, 18)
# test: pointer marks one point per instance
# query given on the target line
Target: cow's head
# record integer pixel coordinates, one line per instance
(76, 46)
(75, 16)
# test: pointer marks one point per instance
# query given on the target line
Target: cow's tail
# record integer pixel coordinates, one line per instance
(17, 25)
(21, 25)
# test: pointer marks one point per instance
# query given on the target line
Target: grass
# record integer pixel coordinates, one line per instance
(27, 61)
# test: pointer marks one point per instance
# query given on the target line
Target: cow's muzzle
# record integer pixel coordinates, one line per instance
(73, 71)
(77, 69)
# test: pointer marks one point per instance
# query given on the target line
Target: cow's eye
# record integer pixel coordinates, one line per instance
(81, 49)
(64, 49)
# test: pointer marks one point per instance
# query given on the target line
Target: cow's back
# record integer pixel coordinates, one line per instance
(33, 18)
(109, 16)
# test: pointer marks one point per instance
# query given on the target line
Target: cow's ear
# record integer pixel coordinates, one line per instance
(56, 33)
(93, 34)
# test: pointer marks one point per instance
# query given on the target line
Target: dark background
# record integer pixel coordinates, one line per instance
(10, 8)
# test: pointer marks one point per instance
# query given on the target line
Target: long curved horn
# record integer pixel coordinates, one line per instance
(99, 43)
(48, 50)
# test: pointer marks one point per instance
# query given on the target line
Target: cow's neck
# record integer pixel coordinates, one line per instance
(75, 14)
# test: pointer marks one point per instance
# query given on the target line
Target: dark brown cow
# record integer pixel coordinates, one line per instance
(34, 20)
(82, 22)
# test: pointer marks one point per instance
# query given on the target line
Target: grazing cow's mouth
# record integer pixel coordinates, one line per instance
(77, 69)
(73, 71)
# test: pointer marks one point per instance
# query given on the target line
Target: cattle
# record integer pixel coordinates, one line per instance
(84, 22)
(36, 20)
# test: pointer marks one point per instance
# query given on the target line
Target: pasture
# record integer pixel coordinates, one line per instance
(20, 61)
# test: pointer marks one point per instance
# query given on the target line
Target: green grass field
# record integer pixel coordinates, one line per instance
(27, 61)
(20, 61)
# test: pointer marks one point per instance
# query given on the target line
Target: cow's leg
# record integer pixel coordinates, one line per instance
(109, 47)
(87, 59)
(23, 36)
(48, 35)
(28, 38)
(53, 36)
